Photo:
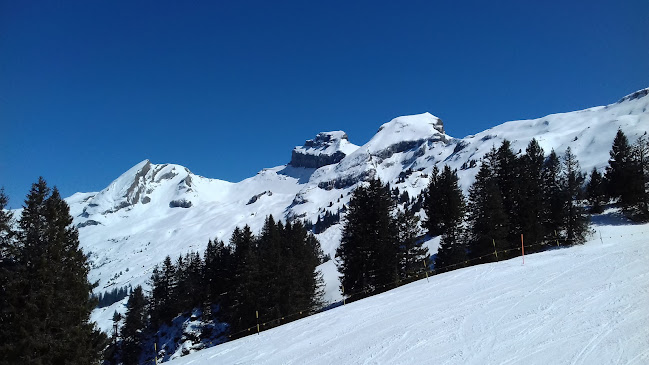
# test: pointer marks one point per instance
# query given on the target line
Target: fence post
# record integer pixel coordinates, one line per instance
(556, 237)
(426, 270)
(495, 251)
(155, 352)
(523, 249)
(343, 294)
(257, 315)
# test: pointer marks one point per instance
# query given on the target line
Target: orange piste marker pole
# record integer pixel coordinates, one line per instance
(523, 249)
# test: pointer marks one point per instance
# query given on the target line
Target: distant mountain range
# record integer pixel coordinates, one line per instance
(154, 210)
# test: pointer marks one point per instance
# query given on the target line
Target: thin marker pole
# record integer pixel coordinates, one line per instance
(426, 270)
(523, 249)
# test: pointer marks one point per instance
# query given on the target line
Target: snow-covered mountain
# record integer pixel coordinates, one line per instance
(154, 210)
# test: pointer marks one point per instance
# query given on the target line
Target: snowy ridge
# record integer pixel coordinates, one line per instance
(156, 210)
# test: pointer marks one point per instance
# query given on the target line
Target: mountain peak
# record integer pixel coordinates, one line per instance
(326, 148)
(635, 95)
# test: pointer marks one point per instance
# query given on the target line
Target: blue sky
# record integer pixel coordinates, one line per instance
(226, 88)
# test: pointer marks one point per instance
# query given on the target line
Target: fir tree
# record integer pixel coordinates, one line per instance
(135, 322)
(488, 220)
(412, 254)
(49, 300)
(595, 192)
(444, 204)
(619, 168)
(246, 286)
(636, 204)
(554, 197)
(368, 252)
(529, 209)
(576, 221)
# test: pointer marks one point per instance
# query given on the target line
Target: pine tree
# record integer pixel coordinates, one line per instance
(488, 220)
(595, 192)
(49, 301)
(452, 252)
(529, 209)
(368, 252)
(412, 254)
(135, 322)
(163, 289)
(445, 203)
(8, 271)
(576, 221)
(619, 168)
(554, 197)
(636, 204)
(246, 285)
(434, 205)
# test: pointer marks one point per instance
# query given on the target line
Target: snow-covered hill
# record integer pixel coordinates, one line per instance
(580, 305)
(155, 210)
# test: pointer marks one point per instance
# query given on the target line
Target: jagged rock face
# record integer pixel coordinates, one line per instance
(327, 148)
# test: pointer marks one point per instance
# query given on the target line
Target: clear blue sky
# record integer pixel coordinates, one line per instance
(226, 88)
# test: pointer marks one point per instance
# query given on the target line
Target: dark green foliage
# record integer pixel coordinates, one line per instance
(412, 255)
(368, 251)
(554, 198)
(619, 168)
(576, 221)
(217, 271)
(488, 219)
(506, 171)
(452, 252)
(444, 203)
(48, 301)
(135, 322)
(595, 192)
(111, 296)
(636, 204)
(529, 208)
(163, 297)
(326, 221)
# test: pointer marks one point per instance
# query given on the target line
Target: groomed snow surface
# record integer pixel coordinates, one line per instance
(582, 305)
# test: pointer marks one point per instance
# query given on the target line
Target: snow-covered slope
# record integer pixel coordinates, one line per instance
(581, 305)
(156, 210)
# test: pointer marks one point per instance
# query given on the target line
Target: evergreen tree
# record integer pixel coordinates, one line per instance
(506, 173)
(488, 220)
(452, 253)
(135, 322)
(636, 204)
(444, 204)
(619, 168)
(554, 197)
(595, 192)
(433, 205)
(8, 271)
(412, 254)
(576, 221)
(217, 273)
(163, 289)
(246, 286)
(49, 299)
(529, 209)
(368, 251)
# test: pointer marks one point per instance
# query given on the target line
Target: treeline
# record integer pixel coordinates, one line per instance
(272, 274)
(528, 196)
(112, 296)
